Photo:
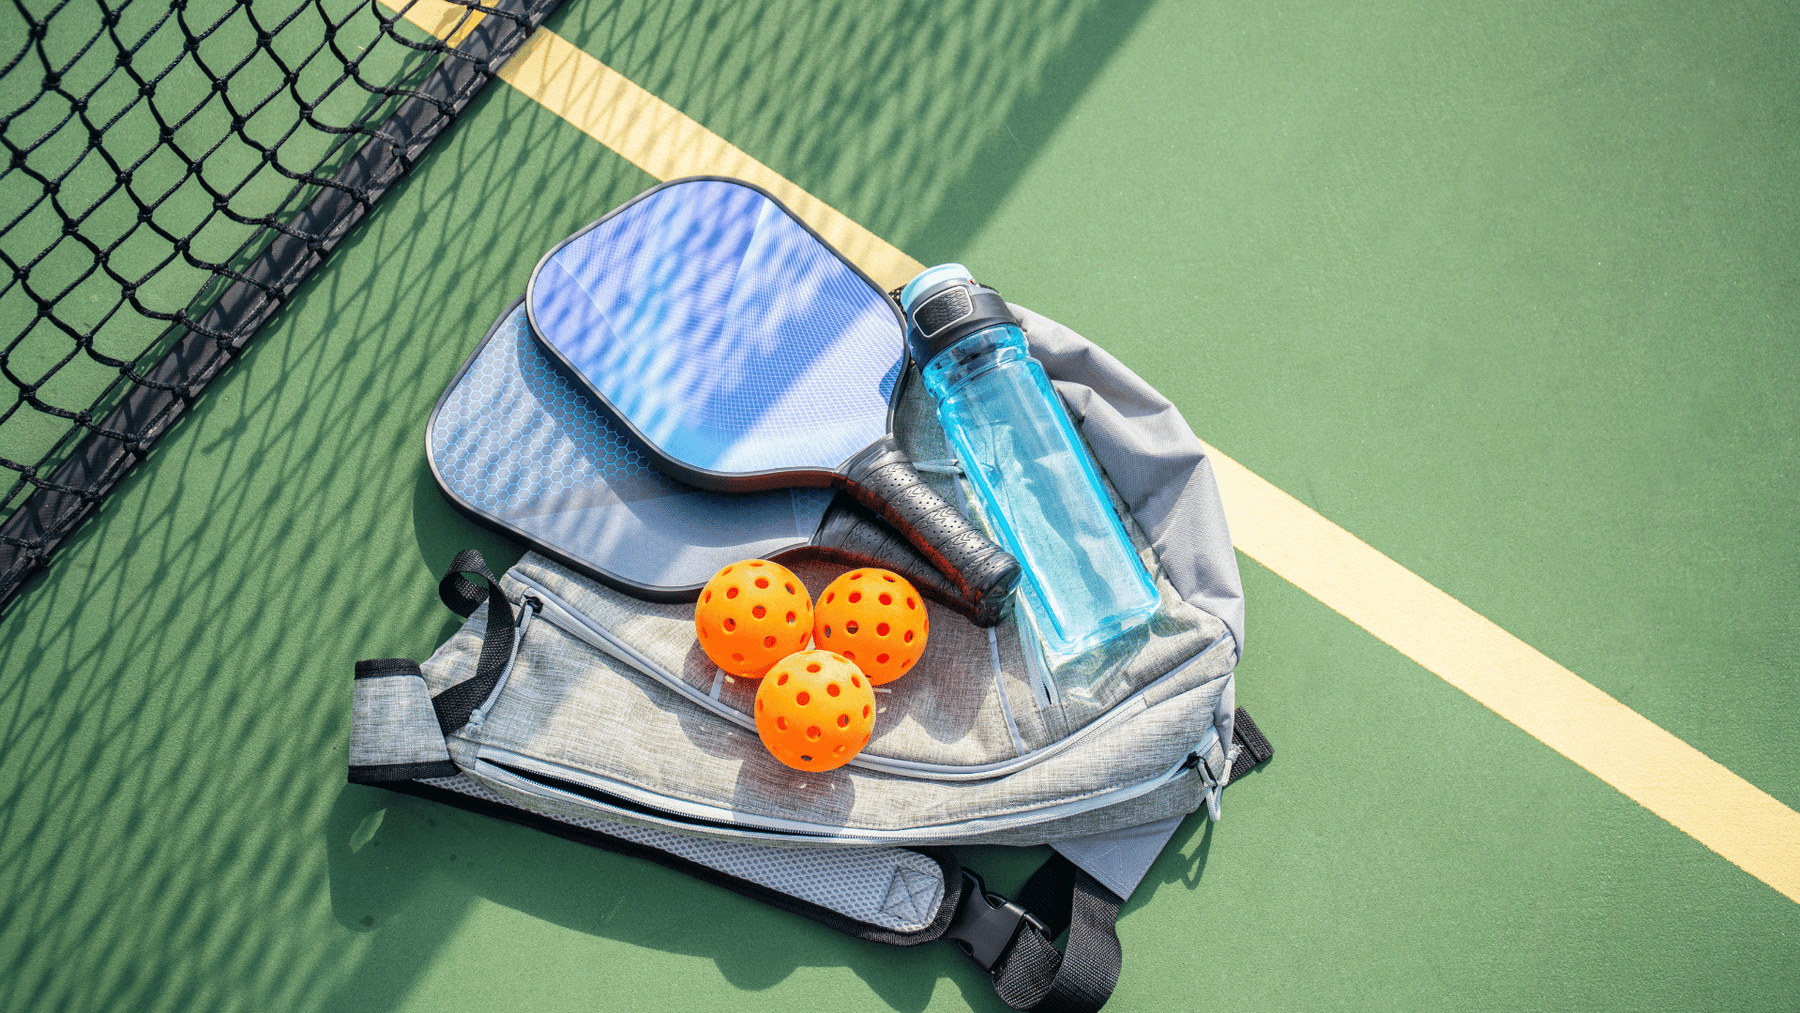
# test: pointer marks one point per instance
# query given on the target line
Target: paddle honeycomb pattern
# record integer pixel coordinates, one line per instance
(515, 435)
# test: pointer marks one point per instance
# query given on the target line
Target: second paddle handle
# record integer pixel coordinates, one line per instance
(851, 534)
(883, 479)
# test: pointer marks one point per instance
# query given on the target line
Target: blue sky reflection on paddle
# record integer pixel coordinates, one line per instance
(723, 330)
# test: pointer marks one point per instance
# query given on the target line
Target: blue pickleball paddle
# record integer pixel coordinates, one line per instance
(746, 355)
(518, 445)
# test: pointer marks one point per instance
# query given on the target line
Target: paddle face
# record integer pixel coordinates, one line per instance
(743, 351)
(747, 355)
(516, 444)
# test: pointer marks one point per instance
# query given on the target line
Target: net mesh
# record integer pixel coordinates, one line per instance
(173, 170)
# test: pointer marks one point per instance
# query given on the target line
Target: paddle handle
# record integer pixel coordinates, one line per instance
(883, 479)
(851, 535)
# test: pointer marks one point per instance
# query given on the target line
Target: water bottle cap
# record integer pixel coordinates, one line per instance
(943, 305)
(930, 277)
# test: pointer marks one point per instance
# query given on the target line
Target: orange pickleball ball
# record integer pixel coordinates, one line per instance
(815, 710)
(752, 614)
(875, 618)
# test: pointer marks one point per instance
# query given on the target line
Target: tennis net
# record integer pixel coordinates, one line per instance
(175, 169)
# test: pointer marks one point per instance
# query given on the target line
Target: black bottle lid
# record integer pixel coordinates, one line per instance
(946, 308)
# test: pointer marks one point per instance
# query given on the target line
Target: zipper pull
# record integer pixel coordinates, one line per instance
(1194, 764)
(535, 605)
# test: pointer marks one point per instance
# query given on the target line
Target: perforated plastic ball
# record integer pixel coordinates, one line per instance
(815, 710)
(752, 614)
(876, 619)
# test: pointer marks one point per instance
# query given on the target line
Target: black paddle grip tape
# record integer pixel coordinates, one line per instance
(883, 479)
(852, 535)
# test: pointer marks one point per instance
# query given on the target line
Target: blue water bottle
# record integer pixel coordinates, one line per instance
(1039, 489)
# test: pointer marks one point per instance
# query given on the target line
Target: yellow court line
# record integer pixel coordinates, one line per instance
(450, 23)
(659, 139)
(1570, 715)
(1654, 768)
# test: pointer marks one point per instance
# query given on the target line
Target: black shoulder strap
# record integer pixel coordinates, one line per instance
(1015, 941)
(1035, 976)
(463, 596)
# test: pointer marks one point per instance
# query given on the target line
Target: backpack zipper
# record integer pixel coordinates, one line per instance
(604, 797)
(529, 607)
(601, 639)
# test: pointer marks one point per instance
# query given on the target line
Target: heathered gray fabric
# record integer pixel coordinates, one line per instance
(947, 710)
(454, 660)
(571, 711)
(392, 722)
(966, 726)
(1176, 798)
(1120, 858)
(894, 888)
(610, 710)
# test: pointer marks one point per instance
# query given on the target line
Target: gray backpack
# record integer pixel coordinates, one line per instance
(569, 705)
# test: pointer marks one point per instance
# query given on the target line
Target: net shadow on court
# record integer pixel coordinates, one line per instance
(173, 174)
(177, 831)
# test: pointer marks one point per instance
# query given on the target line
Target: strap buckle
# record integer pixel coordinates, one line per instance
(986, 923)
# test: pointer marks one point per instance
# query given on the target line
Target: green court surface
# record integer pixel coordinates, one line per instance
(1507, 291)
